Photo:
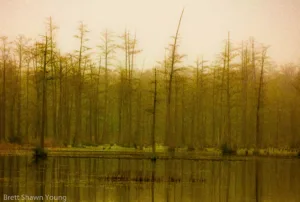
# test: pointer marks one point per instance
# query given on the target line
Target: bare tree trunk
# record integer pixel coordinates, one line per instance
(54, 86)
(105, 127)
(27, 104)
(4, 51)
(68, 107)
(254, 92)
(120, 109)
(202, 123)
(244, 94)
(260, 100)
(154, 111)
(131, 46)
(79, 80)
(229, 135)
(11, 126)
(20, 47)
(176, 119)
(97, 111)
(222, 113)
(198, 128)
(60, 105)
(216, 140)
(169, 124)
(106, 55)
(92, 103)
(44, 106)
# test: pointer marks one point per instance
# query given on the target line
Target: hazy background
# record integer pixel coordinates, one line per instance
(204, 26)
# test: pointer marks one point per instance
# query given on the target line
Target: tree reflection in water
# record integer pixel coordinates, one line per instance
(93, 179)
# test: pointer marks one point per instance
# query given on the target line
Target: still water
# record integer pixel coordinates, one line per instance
(127, 180)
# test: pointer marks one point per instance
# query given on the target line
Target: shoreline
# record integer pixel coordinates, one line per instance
(145, 153)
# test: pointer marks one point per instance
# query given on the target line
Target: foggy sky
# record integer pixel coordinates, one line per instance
(205, 24)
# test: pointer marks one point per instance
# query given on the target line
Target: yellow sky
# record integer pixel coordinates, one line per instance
(204, 26)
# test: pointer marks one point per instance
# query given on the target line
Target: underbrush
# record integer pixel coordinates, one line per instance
(9, 146)
(40, 153)
(226, 150)
(15, 139)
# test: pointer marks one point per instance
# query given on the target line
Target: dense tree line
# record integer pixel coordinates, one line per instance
(241, 99)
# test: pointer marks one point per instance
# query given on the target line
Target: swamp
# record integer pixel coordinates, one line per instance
(174, 100)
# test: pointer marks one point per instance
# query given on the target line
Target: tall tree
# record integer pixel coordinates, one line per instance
(154, 111)
(20, 46)
(79, 83)
(228, 95)
(174, 59)
(53, 68)
(44, 93)
(5, 54)
(244, 97)
(260, 99)
(107, 48)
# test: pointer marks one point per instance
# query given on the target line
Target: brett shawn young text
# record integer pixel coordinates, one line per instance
(33, 198)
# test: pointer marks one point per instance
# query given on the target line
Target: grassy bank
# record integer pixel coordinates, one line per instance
(124, 152)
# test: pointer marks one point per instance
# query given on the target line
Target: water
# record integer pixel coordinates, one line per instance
(127, 180)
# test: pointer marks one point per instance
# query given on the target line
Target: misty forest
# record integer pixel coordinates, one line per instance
(102, 96)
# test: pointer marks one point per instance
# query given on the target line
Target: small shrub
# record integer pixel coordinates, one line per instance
(256, 153)
(171, 149)
(153, 158)
(191, 148)
(15, 139)
(226, 150)
(40, 153)
(77, 145)
(90, 144)
(125, 145)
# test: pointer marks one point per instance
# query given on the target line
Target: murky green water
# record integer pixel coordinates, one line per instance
(94, 179)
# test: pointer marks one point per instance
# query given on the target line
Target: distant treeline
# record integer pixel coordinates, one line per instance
(240, 99)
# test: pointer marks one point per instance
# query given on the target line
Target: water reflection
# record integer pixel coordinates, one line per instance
(93, 179)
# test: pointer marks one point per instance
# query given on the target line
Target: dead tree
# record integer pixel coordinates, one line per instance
(260, 99)
(174, 59)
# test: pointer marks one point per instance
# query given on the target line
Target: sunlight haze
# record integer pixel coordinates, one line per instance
(204, 25)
